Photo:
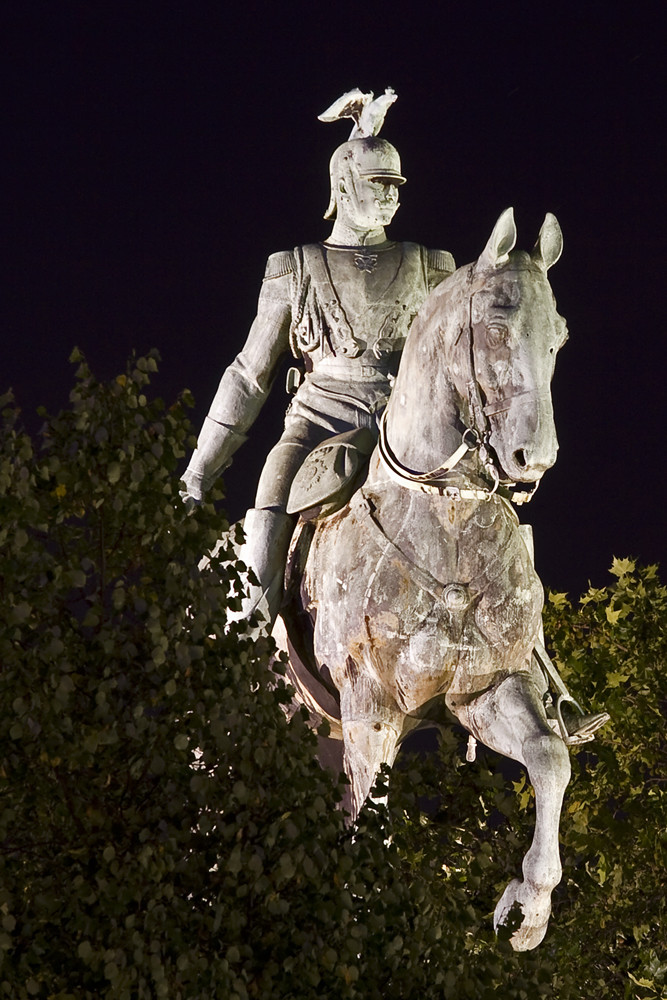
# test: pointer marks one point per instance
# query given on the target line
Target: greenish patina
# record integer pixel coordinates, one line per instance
(410, 580)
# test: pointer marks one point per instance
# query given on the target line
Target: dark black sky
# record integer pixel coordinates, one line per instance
(156, 154)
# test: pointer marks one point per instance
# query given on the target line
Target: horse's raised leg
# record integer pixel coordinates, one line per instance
(371, 729)
(510, 719)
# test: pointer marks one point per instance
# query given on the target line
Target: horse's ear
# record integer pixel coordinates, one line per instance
(501, 241)
(549, 244)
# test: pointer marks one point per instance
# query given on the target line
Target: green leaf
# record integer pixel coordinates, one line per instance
(113, 472)
(85, 951)
(622, 567)
(613, 614)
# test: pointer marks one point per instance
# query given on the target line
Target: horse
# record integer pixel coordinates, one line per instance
(422, 587)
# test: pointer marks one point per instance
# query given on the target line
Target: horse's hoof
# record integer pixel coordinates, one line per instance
(527, 938)
(535, 915)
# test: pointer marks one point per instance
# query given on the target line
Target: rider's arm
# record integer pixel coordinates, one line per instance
(246, 383)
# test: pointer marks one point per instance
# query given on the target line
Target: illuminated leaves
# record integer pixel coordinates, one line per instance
(622, 567)
(615, 647)
(165, 829)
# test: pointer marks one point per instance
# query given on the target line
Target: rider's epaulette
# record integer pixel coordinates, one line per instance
(441, 260)
(279, 264)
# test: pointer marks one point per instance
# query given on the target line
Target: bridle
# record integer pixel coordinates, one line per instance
(474, 439)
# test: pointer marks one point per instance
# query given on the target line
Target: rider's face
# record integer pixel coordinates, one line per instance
(372, 204)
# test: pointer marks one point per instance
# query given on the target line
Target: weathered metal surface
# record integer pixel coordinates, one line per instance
(344, 308)
(422, 587)
(414, 595)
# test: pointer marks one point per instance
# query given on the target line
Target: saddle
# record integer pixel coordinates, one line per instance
(331, 474)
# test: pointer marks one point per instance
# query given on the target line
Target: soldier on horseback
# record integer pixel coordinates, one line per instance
(344, 307)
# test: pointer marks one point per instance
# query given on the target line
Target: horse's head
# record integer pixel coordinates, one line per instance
(515, 333)
(478, 365)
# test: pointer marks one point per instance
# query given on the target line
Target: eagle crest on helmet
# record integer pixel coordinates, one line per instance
(366, 110)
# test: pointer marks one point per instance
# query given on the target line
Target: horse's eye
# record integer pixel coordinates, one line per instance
(496, 334)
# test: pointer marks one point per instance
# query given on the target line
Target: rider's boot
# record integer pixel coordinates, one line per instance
(267, 538)
(565, 715)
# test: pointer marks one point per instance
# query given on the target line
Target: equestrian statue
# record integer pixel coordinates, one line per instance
(422, 415)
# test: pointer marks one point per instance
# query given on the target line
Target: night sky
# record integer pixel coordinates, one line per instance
(156, 154)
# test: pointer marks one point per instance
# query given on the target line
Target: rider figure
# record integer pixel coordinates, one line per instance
(344, 306)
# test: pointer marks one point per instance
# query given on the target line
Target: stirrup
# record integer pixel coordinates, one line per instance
(585, 727)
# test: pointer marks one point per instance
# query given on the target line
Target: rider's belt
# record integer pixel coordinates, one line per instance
(353, 370)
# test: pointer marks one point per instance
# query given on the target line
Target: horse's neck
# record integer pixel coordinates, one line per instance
(424, 413)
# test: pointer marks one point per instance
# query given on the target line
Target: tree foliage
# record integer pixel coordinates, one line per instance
(165, 830)
(612, 648)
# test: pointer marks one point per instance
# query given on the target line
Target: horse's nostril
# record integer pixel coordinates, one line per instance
(520, 458)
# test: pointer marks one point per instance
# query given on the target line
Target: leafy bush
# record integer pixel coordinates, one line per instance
(165, 830)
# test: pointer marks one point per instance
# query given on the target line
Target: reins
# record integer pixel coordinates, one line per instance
(473, 439)
(433, 481)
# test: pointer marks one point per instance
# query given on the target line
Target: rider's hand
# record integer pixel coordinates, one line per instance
(192, 493)
(189, 502)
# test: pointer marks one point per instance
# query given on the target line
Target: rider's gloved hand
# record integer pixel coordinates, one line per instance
(189, 502)
(192, 494)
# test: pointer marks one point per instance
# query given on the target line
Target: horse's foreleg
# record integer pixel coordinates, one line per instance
(548, 764)
(371, 730)
(511, 720)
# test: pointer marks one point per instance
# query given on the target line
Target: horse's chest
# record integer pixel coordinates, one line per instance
(446, 614)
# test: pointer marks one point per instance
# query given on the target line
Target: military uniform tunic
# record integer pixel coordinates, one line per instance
(346, 311)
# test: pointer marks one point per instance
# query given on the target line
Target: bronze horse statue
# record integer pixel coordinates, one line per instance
(422, 587)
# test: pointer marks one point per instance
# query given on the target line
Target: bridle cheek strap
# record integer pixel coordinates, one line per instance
(433, 480)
